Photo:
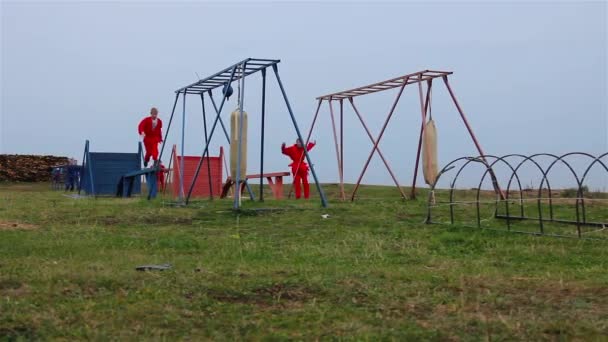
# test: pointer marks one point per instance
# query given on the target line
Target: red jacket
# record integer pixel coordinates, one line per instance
(297, 156)
(145, 126)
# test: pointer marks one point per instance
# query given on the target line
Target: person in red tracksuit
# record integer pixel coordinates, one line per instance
(150, 129)
(161, 176)
(299, 168)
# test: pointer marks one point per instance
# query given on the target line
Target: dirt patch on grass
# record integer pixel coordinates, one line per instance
(8, 225)
(525, 293)
(285, 292)
(168, 220)
(149, 220)
(354, 291)
(13, 288)
(17, 333)
(403, 216)
(528, 308)
(280, 295)
(17, 187)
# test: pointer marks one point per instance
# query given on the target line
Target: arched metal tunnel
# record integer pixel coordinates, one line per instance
(537, 207)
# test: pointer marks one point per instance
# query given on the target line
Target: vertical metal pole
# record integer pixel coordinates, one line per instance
(426, 106)
(295, 124)
(168, 170)
(82, 171)
(312, 126)
(369, 134)
(390, 114)
(160, 157)
(466, 123)
(338, 158)
(206, 142)
(342, 145)
(140, 153)
(237, 197)
(181, 166)
(262, 139)
(579, 194)
(175, 169)
(218, 111)
(540, 211)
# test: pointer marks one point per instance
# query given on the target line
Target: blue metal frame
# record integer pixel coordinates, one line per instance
(295, 124)
(140, 151)
(262, 137)
(181, 166)
(168, 127)
(206, 141)
(237, 193)
(206, 150)
(218, 80)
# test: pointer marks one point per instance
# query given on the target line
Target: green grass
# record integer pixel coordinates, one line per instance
(371, 271)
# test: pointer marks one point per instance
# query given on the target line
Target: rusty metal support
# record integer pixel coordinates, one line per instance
(390, 114)
(369, 134)
(466, 123)
(342, 145)
(338, 156)
(426, 106)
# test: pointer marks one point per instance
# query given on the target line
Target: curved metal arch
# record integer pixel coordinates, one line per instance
(545, 171)
(526, 159)
(502, 159)
(538, 197)
(561, 158)
(579, 193)
(582, 182)
(598, 159)
(445, 169)
(480, 159)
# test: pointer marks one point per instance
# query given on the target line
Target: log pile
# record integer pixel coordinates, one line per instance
(28, 168)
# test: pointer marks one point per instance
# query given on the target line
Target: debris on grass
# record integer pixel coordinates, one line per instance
(153, 267)
(8, 225)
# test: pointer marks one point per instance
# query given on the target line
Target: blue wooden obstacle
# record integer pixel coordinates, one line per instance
(102, 172)
(128, 181)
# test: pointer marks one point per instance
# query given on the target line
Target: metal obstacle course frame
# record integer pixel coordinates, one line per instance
(424, 76)
(204, 88)
(580, 209)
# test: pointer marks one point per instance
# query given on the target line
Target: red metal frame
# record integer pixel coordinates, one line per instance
(397, 82)
(338, 154)
(369, 134)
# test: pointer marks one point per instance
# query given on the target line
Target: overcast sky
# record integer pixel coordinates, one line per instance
(530, 77)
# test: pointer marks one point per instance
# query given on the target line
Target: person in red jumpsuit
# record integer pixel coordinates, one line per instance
(299, 168)
(161, 176)
(150, 129)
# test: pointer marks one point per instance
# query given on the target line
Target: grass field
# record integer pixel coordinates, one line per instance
(370, 271)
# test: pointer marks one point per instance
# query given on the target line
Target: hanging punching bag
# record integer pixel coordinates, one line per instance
(429, 152)
(235, 125)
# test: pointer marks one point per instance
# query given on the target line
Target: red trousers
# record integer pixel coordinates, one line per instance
(151, 146)
(160, 177)
(301, 176)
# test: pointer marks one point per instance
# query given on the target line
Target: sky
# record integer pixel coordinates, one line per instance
(530, 77)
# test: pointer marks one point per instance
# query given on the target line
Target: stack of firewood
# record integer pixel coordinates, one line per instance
(28, 168)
